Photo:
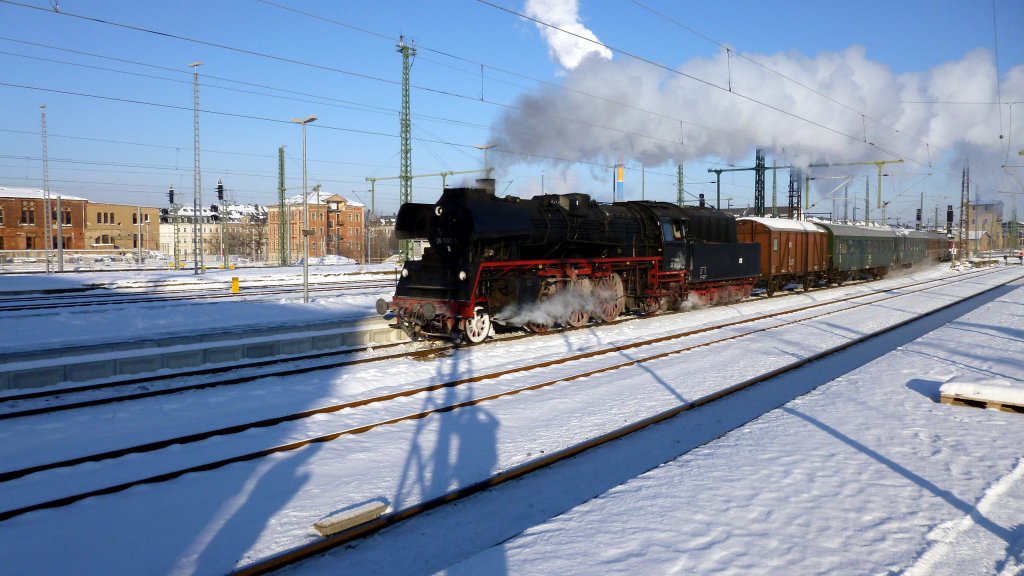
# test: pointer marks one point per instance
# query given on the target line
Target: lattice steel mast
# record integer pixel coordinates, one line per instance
(283, 217)
(405, 191)
(47, 217)
(197, 187)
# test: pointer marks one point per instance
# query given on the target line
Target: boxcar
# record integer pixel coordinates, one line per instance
(792, 251)
(856, 250)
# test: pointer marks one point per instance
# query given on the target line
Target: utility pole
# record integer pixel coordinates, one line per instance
(220, 217)
(47, 216)
(794, 193)
(405, 192)
(775, 204)
(759, 171)
(757, 167)
(197, 185)
(138, 244)
(867, 201)
(174, 219)
(60, 236)
(965, 211)
(680, 195)
(283, 218)
(444, 181)
(877, 163)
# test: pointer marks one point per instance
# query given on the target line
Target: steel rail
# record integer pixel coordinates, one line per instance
(114, 299)
(319, 546)
(363, 402)
(255, 364)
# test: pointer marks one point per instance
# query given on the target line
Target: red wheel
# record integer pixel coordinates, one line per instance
(610, 296)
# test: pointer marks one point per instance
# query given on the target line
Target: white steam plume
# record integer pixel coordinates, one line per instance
(691, 119)
(569, 50)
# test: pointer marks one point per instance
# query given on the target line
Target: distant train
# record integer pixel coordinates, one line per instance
(564, 260)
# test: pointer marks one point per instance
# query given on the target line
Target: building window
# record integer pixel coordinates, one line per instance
(1, 242)
(30, 243)
(28, 213)
(1, 216)
(135, 217)
(145, 217)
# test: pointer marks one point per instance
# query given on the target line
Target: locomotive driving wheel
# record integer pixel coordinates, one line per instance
(610, 296)
(478, 327)
(581, 289)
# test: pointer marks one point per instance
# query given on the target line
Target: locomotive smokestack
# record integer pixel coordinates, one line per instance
(701, 200)
(486, 184)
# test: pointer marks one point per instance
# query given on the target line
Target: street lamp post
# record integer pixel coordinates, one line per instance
(305, 212)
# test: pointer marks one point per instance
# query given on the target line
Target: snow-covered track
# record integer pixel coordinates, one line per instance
(150, 386)
(585, 369)
(119, 297)
(56, 400)
(394, 517)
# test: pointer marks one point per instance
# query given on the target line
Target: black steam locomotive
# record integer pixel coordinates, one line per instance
(559, 260)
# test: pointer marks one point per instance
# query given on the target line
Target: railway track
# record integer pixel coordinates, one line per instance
(538, 381)
(391, 518)
(149, 386)
(19, 304)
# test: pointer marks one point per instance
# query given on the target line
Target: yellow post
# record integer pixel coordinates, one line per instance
(234, 284)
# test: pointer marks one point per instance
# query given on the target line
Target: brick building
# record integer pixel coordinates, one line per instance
(337, 224)
(23, 220)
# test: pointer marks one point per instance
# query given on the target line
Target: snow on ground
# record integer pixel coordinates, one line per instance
(92, 325)
(867, 474)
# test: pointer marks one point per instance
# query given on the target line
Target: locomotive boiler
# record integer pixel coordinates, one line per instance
(559, 260)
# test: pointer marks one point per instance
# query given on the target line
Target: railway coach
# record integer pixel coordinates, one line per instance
(792, 251)
(858, 250)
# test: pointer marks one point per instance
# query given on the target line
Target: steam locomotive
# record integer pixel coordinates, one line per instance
(559, 260)
(564, 259)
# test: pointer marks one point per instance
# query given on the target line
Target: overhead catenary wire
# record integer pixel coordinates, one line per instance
(437, 119)
(355, 74)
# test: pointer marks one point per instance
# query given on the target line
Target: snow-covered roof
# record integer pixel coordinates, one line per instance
(36, 193)
(783, 224)
(312, 199)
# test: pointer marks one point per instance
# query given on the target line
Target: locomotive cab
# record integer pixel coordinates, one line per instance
(674, 232)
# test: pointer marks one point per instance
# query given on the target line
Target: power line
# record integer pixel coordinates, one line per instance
(483, 65)
(770, 69)
(319, 99)
(486, 101)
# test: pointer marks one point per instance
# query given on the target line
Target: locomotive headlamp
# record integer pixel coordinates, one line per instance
(438, 210)
(405, 272)
(462, 275)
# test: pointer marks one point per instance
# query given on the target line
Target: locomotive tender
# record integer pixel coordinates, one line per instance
(564, 259)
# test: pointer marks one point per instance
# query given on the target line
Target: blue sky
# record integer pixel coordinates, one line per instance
(120, 123)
